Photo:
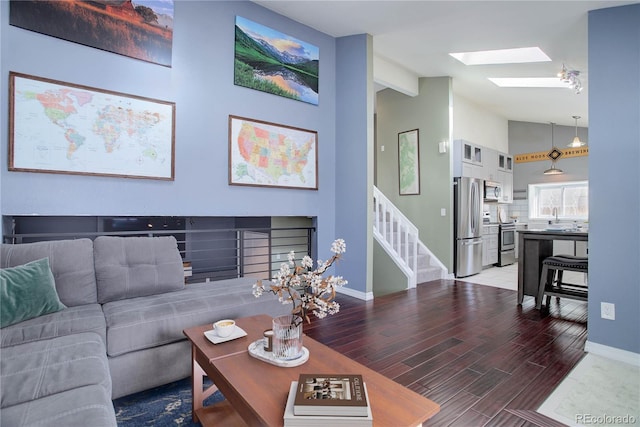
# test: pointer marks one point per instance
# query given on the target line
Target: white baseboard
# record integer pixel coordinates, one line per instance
(613, 353)
(366, 296)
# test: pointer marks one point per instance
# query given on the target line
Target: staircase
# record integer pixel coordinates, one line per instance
(399, 237)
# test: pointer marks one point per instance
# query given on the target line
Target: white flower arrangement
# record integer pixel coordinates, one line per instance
(306, 289)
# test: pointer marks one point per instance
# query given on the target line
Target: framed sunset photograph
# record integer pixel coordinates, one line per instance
(273, 62)
(141, 29)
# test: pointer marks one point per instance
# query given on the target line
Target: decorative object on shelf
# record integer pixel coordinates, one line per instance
(224, 328)
(331, 394)
(256, 349)
(308, 291)
(59, 127)
(287, 337)
(292, 420)
(143, 31)
(409, 162)
(571, 78)
(576, 139)
(263, 154)
(554, 155)
(268, 340)
(270, 61)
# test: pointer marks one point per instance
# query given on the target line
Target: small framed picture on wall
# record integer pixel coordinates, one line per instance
(409, 162)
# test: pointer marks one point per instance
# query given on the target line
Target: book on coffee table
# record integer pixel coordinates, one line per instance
(331, 394)
(292, 420)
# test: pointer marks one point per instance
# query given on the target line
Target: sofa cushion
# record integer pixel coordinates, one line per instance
(128, 267)
(27, 291)
(71, 263)
(79, 407)
(141, 323)
(44, 368)
(71, 320)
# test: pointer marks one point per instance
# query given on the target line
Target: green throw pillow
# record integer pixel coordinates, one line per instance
(27, 291)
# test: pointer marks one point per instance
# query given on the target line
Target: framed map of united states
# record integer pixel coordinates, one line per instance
(266, 154)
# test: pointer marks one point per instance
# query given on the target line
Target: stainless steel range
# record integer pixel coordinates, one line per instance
(507, 244)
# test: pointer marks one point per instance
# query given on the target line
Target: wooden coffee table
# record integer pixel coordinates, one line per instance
(256, 392)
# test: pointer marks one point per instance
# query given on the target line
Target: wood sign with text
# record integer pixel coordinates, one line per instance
(544, 155)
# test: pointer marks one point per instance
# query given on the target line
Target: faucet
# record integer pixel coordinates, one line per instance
(555, 213)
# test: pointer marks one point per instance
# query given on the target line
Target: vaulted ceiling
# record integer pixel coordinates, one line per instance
(419, 35)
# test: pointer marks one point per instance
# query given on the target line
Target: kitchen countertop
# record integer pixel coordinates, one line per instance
(555, 233)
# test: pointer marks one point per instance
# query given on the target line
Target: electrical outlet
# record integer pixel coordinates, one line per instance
(608, 310)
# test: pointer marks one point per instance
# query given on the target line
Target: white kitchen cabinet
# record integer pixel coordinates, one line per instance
(490, 164)
(489, 245)
(506, 179)
(505, 162)
(475, 161)
(477, 155)
(468, 159)
(471, 153)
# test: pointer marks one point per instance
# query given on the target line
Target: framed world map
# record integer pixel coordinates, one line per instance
(266, 154)
(58, 127)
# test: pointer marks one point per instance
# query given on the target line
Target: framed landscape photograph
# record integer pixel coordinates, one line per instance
(58, 127)
(266, 154)
(409, 162)
(273, 62)
(142, 29)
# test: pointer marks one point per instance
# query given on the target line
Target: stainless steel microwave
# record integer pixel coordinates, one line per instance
(492, 191)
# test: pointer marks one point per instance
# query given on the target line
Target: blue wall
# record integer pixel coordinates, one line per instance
(614, 175)
(200, 82)
(354, 155)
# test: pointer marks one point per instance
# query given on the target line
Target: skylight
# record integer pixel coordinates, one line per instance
(502, 56)
(529, 82)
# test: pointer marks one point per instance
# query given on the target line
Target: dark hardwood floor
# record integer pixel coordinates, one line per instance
(470, 348)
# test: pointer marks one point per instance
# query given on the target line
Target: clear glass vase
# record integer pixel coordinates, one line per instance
(287, 337)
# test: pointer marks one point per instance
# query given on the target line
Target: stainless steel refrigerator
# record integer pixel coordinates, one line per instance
(467, 210)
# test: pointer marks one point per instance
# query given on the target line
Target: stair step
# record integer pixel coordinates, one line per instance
(429, 274)
(428, 267)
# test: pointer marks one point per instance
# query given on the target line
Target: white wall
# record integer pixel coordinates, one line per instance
(478, 125)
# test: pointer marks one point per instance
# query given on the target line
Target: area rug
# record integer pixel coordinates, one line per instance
(168, 405)
(598, 391)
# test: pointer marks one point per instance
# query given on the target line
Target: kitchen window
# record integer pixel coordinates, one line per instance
(569, 199)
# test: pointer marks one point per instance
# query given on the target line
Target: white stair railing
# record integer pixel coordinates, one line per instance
(397, 235)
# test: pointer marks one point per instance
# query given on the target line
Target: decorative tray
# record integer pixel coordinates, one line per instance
(256, 349)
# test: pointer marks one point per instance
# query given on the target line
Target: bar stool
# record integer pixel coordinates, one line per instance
(550, 285)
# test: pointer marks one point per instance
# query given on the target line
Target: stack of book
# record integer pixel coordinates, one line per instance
(321, 400)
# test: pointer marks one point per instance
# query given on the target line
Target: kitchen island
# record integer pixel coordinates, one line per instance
(534, 247)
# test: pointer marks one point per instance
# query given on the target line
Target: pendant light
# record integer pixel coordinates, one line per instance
(576, 140)
(554, 155)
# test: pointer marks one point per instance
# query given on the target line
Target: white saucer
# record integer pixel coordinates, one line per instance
(212, 336)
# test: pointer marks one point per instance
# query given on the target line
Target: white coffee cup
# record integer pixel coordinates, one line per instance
(224, 327)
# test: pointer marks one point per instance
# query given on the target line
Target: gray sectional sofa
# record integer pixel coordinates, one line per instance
(120, 333)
